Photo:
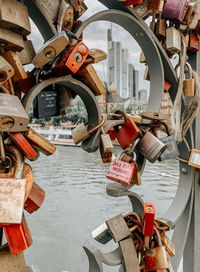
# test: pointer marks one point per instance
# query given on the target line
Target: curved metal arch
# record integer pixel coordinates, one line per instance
(89, 99)
(144, 39)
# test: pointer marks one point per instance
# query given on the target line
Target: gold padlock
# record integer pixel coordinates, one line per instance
(91, 79)
(188, 84)
(106, 147)
(80, 133)
(6, 70)
(97, 55)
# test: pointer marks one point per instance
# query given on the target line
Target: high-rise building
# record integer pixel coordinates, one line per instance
(143, 95)
(120, 71)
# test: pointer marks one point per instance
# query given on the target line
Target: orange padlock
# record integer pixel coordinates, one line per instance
(71, 60)
(35, 199)
(24, 145)
(18, 237)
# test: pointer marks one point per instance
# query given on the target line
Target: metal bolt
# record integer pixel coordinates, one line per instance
(184, 171)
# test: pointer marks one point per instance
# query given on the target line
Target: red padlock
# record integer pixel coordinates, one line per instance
(121, 172)
(132, 2)
(18, 237)
(112, 133)
(193, 43)
(24, 145)
(148, 219)
(71, 60)
(35, 199)
(24, 85)
(128, 132)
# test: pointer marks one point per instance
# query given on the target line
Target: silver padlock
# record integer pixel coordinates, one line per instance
(173, 40)
(101, 234)
(13, 117)
(51, 49)
(151, 147)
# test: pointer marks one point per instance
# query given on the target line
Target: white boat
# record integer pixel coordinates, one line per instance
(57, 135)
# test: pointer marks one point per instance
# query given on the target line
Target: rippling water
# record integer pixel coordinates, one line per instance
(76, 202)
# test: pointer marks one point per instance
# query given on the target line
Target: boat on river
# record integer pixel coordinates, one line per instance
(57, 135)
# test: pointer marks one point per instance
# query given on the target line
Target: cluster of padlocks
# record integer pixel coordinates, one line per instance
(143, 241)
(64, 54)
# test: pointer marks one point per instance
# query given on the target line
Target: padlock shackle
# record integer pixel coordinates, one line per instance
(99, 125)
(158, 237)
(122, 113)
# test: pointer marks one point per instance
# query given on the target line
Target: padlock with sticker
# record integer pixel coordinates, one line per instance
(194, 159)
(129, 131)
(71, 60)
(81, 132)
(176, 9)
(189, 84)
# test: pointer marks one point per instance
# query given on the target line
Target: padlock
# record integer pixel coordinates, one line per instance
(176, 9)
(65, 98)
(12, 195)
(129, 131)
(189, 84)
(90, 77)
(97, 55)
(171, 151)
(129, 255)
(153, 23)
(142, 57)
(155, 6)
(106, 147)
(151, 147)
(148, 219)
(25, 147)
(197, 30)
(132, 2)
(167, 86)
(192, 17)
(14, 16)
(79, 8)
(68, 19)
(28, 175)
(193, 43)
(11, 263)
(41, 143)
(146, 74)
(10, 40)
(18, 237)
(35, 199)
(112, 133)
(118, 228)
(12, 114)
(26, 84)
(156, 258)
(101, 234)
(6, 70)
(136, 118)
(169, 246)
(46, 104)
(15, 62)
(194, 159)
(71, 60)
(173, 40)
(80, 133)
(136, 179)
(120, 171)
(160, 29)
(51, 49)
(28, 53)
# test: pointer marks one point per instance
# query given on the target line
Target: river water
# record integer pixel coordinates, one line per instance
(76, 202)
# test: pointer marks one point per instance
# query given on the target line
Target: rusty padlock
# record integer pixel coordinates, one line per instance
(193, 43)
(160, 29)
(155, 6)
(129, 131)
(169, 246)
(156, 258)
(192, 17)
(106, 147)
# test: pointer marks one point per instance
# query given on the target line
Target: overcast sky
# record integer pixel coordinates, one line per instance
(95, 36)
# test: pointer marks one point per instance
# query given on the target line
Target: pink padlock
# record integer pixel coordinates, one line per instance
(175, 9)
